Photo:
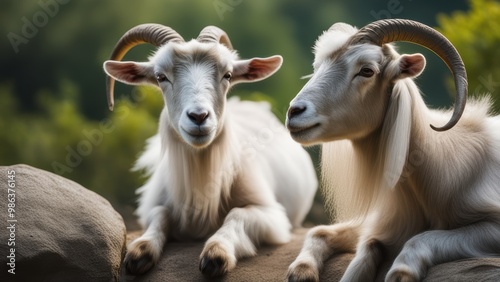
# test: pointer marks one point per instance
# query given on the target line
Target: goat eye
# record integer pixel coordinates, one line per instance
(366, 72)
(228, 75)
(160, 77)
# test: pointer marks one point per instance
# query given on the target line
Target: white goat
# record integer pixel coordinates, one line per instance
(398, 189)
(231, 171)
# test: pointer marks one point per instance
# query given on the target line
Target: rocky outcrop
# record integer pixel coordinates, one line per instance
(59, 230)
(180, 263)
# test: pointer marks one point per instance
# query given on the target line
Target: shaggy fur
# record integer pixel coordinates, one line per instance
(397, 188)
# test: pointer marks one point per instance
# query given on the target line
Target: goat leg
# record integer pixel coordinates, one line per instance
(320, 243)
(144, 252)
(242, 229)
(433, 247)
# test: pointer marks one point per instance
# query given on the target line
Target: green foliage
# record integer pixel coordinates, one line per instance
(476, 35)
(96, 154)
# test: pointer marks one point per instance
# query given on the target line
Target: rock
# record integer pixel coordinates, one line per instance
(180, 263)
(63, 231)
(180, 260)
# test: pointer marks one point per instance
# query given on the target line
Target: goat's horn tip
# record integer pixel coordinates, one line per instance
(440, 129)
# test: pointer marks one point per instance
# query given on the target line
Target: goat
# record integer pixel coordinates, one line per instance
(224, 169)
(398, 190)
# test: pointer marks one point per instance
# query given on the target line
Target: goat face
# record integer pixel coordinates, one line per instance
(347, 95)
(194, 78)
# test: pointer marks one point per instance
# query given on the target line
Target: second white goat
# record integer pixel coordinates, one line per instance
(226, 170)
(400, 190)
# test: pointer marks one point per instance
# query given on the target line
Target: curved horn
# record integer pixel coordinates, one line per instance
(154, 34)
(386, 31)
(214, 34)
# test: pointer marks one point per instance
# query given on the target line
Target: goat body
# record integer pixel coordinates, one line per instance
(398, 189)
(223, 169)
(252, 162)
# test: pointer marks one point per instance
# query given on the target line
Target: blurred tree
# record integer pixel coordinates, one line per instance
(476, 35)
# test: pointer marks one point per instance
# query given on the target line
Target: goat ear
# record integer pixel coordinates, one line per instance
(411, 65)
(255, 69)
(130, 72)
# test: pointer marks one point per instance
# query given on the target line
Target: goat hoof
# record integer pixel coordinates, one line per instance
(139, 259)
(215, 261)
(302, 273)
(213, 267)
(401, 276)
(138, 265)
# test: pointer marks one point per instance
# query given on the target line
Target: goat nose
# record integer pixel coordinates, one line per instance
(198, 117)
(296, 110)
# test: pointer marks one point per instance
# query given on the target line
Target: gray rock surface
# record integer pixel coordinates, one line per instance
(64, 232)
(180, 263)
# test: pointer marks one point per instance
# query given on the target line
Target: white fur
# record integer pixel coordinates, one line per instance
(401, 189)
(236, 178)
(259, 144)
(332, 39)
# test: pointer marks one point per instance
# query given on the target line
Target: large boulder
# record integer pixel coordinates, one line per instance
(61, 231)
(180, 263)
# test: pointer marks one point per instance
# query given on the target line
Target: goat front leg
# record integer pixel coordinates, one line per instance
(365, 263)
(439, 246)
(144, 252)
(242, 229)
(320, 243)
